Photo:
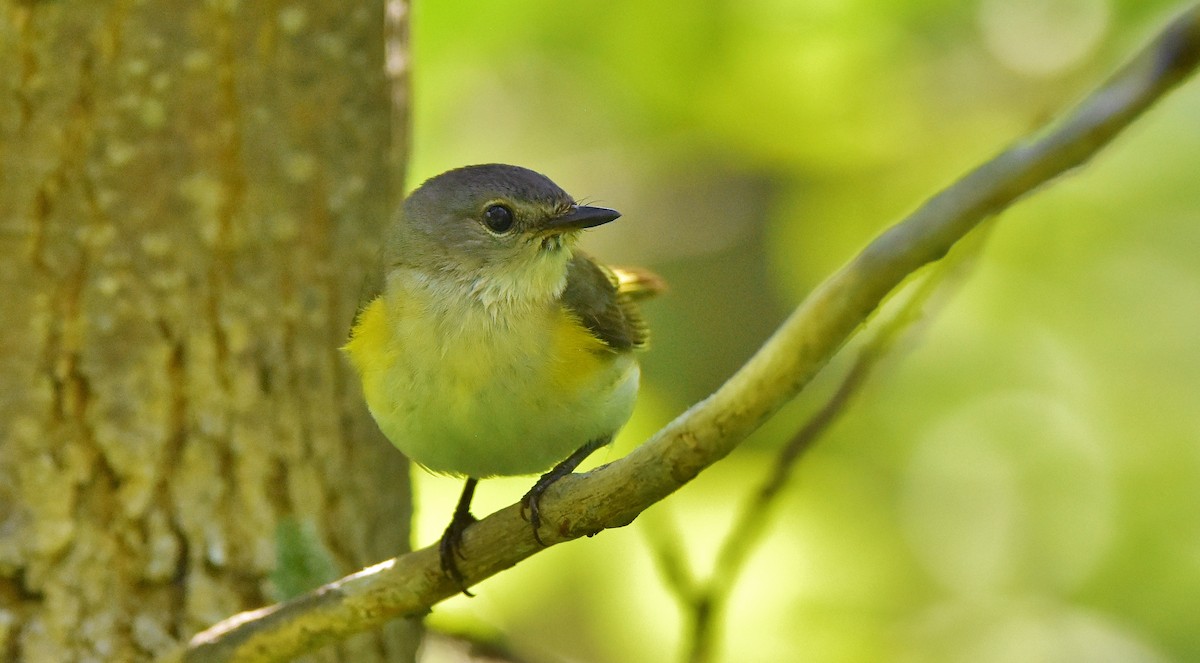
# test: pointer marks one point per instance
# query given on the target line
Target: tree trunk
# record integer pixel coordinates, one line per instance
(190, 196)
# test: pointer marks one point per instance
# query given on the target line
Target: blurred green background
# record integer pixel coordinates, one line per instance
(1024, 483)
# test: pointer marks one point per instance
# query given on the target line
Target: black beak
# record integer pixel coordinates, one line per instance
(581, 217)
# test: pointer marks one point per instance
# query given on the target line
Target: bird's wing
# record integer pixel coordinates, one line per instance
(595, 294)
(638, 283)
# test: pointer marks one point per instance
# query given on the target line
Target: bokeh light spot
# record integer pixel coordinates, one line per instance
(1042, 37)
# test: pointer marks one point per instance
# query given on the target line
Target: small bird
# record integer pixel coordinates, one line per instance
(489, 345)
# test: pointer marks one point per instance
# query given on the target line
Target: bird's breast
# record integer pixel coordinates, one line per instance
(479, 392)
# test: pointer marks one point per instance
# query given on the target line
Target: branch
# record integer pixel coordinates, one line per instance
(705, 603)
(613, 495)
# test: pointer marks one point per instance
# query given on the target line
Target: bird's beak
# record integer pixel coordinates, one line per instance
(581, 216)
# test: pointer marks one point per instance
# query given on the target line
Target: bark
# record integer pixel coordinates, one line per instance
(190, 195)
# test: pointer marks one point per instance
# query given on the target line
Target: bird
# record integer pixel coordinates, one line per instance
(488, 345)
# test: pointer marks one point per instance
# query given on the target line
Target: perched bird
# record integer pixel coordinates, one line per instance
(489, 345)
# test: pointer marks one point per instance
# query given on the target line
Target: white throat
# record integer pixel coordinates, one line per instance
(456, 296)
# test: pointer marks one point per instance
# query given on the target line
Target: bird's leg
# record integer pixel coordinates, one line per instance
(533, 498)
(451, 544)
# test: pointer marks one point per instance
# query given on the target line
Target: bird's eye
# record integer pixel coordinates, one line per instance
(498, 218)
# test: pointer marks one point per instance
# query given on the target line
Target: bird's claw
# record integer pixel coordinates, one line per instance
(451, 546)
(532, 502)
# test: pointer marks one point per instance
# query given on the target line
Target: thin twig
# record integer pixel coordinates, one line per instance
(663, 538)
(613, 495)
(706, 604)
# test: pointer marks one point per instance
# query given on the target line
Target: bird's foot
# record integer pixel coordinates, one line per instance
(533, 499)
(450, 548)
(531, 502)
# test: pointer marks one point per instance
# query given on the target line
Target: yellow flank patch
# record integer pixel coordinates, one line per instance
(574, 356)
(460, 393)
(369, 347)
(578, 355)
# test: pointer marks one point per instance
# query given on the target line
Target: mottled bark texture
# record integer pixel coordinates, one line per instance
(190, 194)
